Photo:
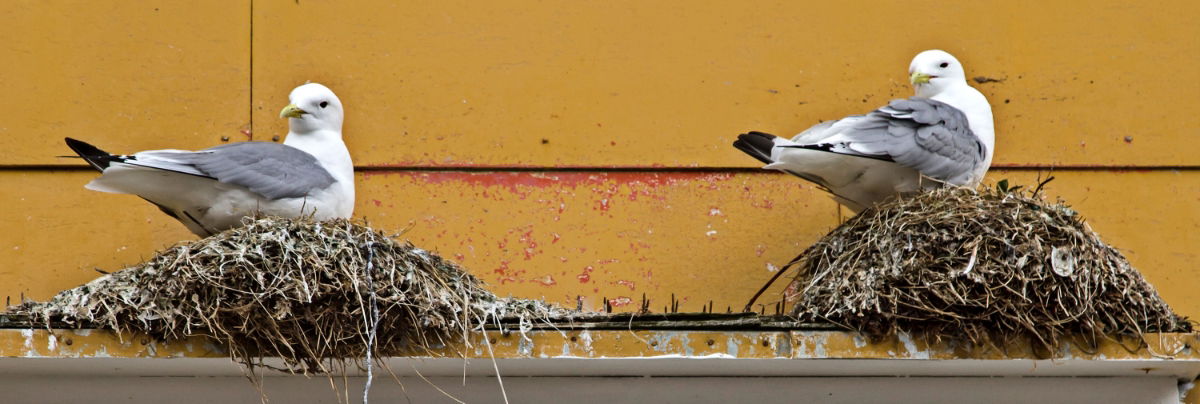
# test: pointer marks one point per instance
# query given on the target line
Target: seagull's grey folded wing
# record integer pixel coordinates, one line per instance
(270, 169)
(927, 135)
(816, 133)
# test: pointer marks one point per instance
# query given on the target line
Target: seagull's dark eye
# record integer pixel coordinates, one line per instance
(326, 103)
(943, 65)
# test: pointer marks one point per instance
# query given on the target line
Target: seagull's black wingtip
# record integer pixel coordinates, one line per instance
(757, 145)
(99, 159)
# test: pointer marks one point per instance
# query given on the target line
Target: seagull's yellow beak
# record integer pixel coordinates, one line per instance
(919, 78)
(291, 111)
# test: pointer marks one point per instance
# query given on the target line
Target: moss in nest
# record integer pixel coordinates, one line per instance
(301, 290)
(991, 267)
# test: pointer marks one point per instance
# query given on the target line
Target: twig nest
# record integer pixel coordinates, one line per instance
(957, 263)
(302, 290)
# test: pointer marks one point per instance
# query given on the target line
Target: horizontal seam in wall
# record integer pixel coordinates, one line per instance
(502, 168)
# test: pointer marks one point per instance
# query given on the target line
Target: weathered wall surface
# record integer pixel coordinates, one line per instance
(565, 149)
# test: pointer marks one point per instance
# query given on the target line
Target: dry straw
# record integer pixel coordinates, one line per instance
(990, 267)
(312, 293)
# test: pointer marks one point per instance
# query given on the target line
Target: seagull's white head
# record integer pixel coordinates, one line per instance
(933, 71)
(314, 108)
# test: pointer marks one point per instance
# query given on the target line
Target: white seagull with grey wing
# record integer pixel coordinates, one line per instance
(943, 135)
(212, 190)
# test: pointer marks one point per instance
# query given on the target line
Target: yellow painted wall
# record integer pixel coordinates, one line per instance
(564, 149)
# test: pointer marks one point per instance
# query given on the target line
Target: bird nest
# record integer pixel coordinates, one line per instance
(995, 266)
(308, 292)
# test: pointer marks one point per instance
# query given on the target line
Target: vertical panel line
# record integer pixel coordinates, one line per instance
(251, 72)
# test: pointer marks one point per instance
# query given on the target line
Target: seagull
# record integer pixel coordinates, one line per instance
(942, 136)
(212, 190)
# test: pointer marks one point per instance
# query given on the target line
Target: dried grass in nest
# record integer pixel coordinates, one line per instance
(308, 292)
(993, 267)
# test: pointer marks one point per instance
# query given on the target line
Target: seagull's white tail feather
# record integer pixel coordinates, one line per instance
(148, 182)
(202, 204)
(850, 178)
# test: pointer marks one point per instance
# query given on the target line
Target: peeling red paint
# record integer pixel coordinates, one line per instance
(505, 273)
(510, 180)
(645, 215)
(586, 275)
(543, 179)
(531, 245)
(620, 301)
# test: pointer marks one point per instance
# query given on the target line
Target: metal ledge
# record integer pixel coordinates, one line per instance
(588, 352)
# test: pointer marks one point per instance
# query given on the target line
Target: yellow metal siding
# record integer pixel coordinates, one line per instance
(526, 87)
(126, 75)
(605, 82)
(635, 83)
